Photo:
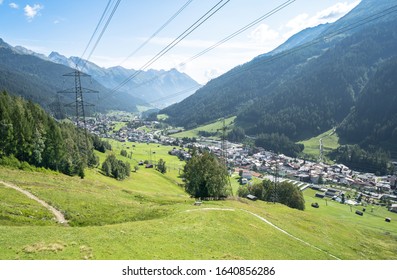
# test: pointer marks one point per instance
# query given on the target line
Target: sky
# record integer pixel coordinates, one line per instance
(66, 26)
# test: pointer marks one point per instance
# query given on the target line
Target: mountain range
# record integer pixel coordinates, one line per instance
(38, 78)
(320, 78)
(158, 87)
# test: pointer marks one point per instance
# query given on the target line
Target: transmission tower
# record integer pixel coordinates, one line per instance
(320, 158)
(79, 105)
(224, 144)
(224, 153)
(276, 180)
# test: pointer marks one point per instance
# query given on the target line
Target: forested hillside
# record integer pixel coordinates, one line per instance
(373, 120)
(29, 136)
(306, 89)
(39, 80)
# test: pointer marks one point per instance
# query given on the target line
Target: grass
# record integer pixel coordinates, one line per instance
(151, 152)
(17, 209)
(142, 108)
(162, 117)
(312, 145)
(119, 125)
(149, 216)
(215, 127)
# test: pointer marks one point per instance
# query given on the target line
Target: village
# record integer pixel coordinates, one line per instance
(256, 163)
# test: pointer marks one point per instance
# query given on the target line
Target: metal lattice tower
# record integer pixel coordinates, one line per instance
(276, 180)
(320, 158)
(79, 105)
(224, 144)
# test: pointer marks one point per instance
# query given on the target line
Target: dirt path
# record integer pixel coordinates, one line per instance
(271, 224)
(290, 235)
(58, 215)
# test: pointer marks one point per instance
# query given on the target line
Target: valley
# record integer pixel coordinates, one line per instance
(140, 217)
(285, 150)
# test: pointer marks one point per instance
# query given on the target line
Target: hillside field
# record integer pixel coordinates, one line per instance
(215, 127)
(312, 145)
(149, 216)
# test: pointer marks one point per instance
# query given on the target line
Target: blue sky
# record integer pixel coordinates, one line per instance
(66, 26)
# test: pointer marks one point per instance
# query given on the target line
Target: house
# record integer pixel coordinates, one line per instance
(393, 208)
(304, 178)
(247, 175)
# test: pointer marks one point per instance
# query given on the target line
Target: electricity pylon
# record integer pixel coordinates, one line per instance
(78, 90)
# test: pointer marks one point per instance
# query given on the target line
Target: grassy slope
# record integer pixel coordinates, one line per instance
(17, 209)
(215, 127)
(312, 145)
(148, 216)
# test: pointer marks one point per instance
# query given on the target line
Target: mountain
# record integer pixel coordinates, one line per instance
(300, 38)
(33, 77)
(373, 119)
(159, 87)
(306, 86)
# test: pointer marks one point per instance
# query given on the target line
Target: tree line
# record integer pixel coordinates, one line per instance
(284, 193)
(29, 135)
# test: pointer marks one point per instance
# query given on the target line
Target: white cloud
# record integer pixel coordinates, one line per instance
(1, 2)
(335, 12)
(264, 34)
(14, 5)
(32, 12)
(212, 74)
(327, 15)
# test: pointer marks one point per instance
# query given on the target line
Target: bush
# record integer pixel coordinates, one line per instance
(161, 166)
(10, 161)
(257, 190)
(26, 166)
(123, 153)
(243, 191)
(118, 169)
(287, 194)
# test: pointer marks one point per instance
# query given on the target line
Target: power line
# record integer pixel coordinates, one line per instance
(234, 34)
(79, 105)
(158, 31)
(246, 27)
(314, 42)
(329, 36)
(171, 45)
(175, 94)
(253, 23)
(102, 32)
(95, 31)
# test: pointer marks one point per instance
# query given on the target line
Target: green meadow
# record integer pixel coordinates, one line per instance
(149, 216)
(215, 127)
(312, 145)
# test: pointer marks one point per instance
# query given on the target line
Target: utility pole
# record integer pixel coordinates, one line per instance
(320, 159)
(224, 153)
(224, 144)
(79, 105)
(276, 180)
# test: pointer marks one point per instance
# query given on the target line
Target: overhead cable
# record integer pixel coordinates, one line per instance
(177, 40)
(158, 31)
